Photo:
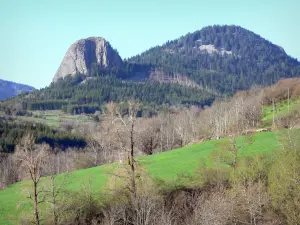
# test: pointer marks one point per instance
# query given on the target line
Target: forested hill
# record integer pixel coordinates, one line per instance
(224, 58)
(10, 89)
(193, 69)
(75, 95)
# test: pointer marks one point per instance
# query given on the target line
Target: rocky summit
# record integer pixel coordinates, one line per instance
(87, 54)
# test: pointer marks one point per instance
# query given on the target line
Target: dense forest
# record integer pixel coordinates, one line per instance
(11, 133)
(77, 96)
(224, 58)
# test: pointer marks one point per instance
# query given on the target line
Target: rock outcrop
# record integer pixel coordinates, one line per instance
(85, 54)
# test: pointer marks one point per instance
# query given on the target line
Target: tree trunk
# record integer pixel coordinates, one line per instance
(36, 210)
(55, 217)
(131, 161)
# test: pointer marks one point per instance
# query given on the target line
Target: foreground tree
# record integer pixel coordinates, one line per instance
(128, 141)
(56, 195)
(32, 157)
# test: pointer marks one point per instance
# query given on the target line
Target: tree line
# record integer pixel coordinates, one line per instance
(11, 132)
(72, 95)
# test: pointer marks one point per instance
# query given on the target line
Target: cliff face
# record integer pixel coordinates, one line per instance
(85, 54)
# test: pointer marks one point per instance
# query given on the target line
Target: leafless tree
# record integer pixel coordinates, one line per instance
(250, 199)
(95, 146)
(54, 190)
(113, 213)
(149, 135)
(67, 125)
(216, 209)
(144, 209)
(31, 158)
(127, 139)
(8, 170)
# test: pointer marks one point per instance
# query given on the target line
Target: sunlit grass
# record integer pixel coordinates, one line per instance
(281, 109)
(165, 166)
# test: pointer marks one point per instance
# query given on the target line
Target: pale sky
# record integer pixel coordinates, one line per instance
(35, 34)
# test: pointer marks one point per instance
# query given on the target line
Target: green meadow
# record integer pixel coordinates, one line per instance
(281, 109)
(55, 118)
(165, 166)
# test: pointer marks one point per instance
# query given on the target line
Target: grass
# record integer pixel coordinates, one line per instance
(166, 166)
(55, 118)
(51, 123)
(281, 109)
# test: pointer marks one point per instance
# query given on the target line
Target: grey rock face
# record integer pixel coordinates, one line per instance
(86, 53)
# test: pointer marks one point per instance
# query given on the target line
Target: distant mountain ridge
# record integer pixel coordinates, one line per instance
(10, 89)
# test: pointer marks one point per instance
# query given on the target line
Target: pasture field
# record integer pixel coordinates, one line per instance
(56, 118)
(281, 109)
(167, 166)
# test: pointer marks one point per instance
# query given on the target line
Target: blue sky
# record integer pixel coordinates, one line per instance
(35, 34)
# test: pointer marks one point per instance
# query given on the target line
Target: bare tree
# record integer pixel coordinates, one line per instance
(8, 170)
(149, 136)
(31, 158)
(128, 141)
(146, 209)
(55, 193)
(249, 199)
(216, 209)
(95, 146)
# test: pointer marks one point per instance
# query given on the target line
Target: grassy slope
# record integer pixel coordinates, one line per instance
(55, 118)
(281, 109)
(166, 166)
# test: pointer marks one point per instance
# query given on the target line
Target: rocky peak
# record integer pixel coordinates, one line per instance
(86, 53)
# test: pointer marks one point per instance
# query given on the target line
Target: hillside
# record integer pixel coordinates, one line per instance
(76, 95)
(236, 173)
(222, 58)
(169, 167)
(10, 89)
(11, 131)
